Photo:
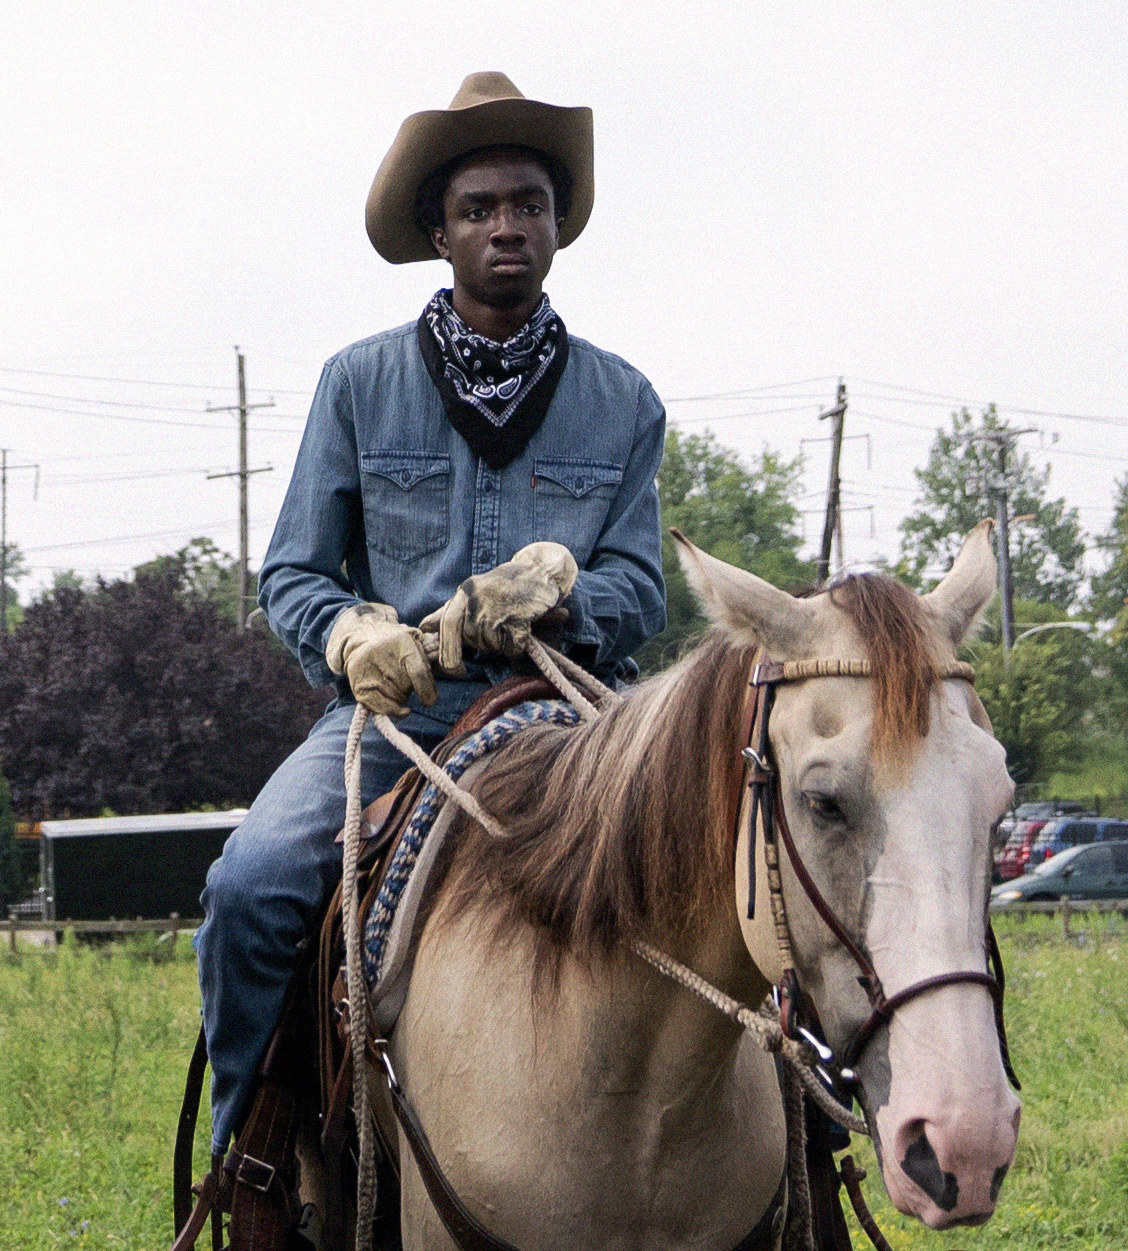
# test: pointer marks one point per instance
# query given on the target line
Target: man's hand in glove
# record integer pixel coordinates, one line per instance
(382, 659)
(494, 611)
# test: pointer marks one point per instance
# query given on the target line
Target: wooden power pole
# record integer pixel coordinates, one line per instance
(833, 521)
(242, 473)
(998, 483)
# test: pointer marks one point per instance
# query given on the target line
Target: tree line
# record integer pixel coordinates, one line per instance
(137, 694)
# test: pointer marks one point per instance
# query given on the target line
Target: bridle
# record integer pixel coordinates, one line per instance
(798, 1017)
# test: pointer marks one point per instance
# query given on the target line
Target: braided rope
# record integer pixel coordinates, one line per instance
(437, 776)
(357, 987)
(798, 670)
(763, 1024)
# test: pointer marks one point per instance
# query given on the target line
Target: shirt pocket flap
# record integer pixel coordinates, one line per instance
(578, 477)
(405, 469)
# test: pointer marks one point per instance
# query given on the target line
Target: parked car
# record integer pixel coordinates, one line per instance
(1092, 871)
(1065, 832)
(1011, 862)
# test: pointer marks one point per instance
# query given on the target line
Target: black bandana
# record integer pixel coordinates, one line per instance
(495, 394)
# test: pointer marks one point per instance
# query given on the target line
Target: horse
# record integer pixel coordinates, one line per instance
(575, 1097)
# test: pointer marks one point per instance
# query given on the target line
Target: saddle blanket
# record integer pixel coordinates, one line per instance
(390, 927)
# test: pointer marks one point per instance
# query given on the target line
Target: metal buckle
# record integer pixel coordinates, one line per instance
(753, 757)
(380, 1046)
(251, 1172)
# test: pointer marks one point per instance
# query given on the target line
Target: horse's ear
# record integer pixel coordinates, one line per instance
(967, 586)
(744, 603)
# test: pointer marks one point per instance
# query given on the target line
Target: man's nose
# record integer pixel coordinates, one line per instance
(508, 226)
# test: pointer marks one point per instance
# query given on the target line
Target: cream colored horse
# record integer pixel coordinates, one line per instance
(573, 1096)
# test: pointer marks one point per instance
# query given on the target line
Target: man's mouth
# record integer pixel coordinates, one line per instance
(510, 260)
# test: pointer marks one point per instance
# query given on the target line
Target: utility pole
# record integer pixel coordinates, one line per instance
(4, 467)
(242, 473)
(833, 522)
(999, 486)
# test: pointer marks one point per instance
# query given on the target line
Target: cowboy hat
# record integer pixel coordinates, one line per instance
(488, 111)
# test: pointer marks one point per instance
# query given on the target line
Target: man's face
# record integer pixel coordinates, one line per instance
(500, 231)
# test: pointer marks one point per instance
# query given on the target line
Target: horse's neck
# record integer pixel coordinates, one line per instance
(650, 1032)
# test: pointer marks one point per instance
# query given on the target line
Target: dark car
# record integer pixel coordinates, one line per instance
(1064, 832)
(1012, 861)
(1095, 871)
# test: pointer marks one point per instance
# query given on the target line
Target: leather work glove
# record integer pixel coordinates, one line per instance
(494, 611)
(382, 659)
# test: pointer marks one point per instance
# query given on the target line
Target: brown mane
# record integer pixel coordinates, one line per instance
(890, 620)
(600, 852)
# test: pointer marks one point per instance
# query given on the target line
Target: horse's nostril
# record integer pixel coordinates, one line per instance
(920, 1163)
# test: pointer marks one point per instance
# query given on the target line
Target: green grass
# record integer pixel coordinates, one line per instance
(94, 1044)
(1067, 1021)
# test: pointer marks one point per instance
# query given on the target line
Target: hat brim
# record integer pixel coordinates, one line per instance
(430, 139)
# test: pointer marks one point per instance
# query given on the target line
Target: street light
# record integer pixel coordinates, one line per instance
(1084, 626)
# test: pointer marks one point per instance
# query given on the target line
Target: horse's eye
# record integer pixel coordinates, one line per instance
(824, 807)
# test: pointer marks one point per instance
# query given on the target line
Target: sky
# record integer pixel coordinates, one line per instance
(927, 201)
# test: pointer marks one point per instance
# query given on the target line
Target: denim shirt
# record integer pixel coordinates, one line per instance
(388, 503)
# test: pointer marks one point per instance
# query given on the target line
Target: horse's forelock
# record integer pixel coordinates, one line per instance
(891, 621)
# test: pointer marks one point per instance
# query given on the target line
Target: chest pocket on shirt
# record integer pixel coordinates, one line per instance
(406, 502)
(571, 500)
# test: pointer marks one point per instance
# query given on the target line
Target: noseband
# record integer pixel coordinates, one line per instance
(797, 1014)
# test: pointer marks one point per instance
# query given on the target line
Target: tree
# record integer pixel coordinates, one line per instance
(1109, 590)
(15, 570)
(205, 570)
(137, 696)
(12, 881)
(957, 487)
(1041, 701)
(743, 514)
(1109, 602)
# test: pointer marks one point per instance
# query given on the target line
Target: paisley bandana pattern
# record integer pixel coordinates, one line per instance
(494, 394)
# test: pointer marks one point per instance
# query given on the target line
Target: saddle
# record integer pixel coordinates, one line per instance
(308, 1062)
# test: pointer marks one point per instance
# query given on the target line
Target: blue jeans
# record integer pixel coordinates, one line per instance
(276, 871)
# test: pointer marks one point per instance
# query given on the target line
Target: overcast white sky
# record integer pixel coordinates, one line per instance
(928, 200)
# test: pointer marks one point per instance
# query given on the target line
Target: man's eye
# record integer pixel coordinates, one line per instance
(535, 210)
(475, 214)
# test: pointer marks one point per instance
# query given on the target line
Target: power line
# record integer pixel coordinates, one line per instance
(759, 412)
(746, 392)
(139, 382)
(150, 421)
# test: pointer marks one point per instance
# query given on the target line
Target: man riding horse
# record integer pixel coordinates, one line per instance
(469, 473)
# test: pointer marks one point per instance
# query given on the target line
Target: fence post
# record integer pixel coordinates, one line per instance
(1065, 916)
(12, 929)
(174, 918)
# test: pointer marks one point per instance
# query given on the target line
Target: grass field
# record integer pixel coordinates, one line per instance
(94, 1042)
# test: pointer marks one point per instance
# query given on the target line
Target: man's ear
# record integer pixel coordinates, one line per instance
(439, 243)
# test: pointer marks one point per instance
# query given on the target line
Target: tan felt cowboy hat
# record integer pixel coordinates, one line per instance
(488, 111)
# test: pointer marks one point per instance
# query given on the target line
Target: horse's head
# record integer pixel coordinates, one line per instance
(891, 785)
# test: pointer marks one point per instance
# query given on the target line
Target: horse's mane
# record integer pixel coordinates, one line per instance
(623, 827)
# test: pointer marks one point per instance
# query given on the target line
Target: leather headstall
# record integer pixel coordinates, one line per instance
(798, 1017)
